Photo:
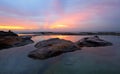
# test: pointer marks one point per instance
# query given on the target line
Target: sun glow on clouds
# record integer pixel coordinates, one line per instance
(17, 24)
(18, 27)
(72, 20)
(58, 26)
(12, 27)
(77, 20)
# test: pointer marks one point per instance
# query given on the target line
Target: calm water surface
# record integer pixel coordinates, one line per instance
(92, 60)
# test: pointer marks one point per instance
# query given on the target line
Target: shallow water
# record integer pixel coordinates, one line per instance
(92, 60)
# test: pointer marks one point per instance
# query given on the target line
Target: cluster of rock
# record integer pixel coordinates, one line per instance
(10, 39)
(53, 47)
(92, 42)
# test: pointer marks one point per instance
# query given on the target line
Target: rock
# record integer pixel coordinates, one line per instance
(26, 37)
(9, 33)
(51, 48)
(92, 42)
(25, 40)
(8, 40)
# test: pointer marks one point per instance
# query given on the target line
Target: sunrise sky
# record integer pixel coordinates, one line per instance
(60, 15)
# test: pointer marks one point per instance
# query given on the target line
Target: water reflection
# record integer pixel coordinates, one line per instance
(26, 34)
(64, 37)
(73, 38)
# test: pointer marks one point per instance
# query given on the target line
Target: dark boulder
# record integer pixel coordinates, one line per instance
(9, 33)
(51, 48)
(25, 40)
(10, 39)
(92, 42)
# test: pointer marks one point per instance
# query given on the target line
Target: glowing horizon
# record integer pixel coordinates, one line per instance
(12, 27)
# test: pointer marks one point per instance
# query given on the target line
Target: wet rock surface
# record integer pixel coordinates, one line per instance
(94, 41)
(10, 39)
(51, 48)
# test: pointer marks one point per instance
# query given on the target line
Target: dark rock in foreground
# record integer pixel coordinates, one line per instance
(10, 39)
(52, 47)
(9, 33)
(92, 42)
(25, 40)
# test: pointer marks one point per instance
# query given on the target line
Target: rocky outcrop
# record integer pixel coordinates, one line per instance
(10, 39)
(52, 47)
(92, 42)
(9, 33)
(25, 40)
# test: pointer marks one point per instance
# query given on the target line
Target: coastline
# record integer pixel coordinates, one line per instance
(70, 33)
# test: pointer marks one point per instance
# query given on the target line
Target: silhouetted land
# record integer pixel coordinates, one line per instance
(73, 33)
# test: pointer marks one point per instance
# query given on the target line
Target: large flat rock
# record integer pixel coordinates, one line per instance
(51, 48)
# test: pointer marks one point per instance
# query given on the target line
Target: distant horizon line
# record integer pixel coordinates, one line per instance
(56, 31)
(67, 31)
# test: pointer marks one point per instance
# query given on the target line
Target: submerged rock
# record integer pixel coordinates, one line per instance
(52, 47)
(10, 39)
(92, 42)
